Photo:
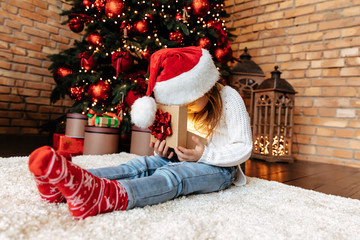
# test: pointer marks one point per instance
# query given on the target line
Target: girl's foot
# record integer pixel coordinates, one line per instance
(86, 194)
(48, 192)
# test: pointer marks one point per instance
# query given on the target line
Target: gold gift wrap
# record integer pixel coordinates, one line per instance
(99, 121)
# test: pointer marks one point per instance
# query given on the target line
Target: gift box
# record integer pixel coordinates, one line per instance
(170, 124)
(140, 141)
(56, 140)
(101, 140)
(104, 120)
(75, 125)
(73, 146)
(190, 144)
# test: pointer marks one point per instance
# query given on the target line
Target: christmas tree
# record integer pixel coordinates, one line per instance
(107, 70)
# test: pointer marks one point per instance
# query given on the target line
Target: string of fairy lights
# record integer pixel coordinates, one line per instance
(165, 11)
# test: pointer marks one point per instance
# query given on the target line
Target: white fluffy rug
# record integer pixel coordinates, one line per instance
(259, 210)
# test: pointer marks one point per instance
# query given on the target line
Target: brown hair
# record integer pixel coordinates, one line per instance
(208, 118)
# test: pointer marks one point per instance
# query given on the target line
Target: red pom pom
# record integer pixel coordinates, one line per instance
(99, 91)
(76, 25)
(113, 8)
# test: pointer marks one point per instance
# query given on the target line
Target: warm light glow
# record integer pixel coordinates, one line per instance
(279, 146)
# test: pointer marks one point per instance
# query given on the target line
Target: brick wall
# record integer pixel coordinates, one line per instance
(316, 45)
(29, 31)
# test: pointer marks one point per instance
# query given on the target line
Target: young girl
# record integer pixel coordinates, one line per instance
(177, 76)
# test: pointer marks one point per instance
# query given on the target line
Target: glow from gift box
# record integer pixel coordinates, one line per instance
(279, 146)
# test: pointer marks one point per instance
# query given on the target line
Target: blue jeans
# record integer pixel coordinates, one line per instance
(150, 180)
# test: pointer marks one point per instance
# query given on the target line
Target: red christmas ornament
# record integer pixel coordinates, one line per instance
(120, 108)
(146, 55)
(149, 16)
(77, 93)
(124, 137)
(122, 61)
(204, 43)
(131, 97)
(61, 72)
(86, 61)
(95, 39)
(76, 25)
(99, 4)
(200, 7)
(156, 2)
(113, 8)
(223, 55)
(141, 26)
(99, 91)
(222, 39)
(87, 3)
(178, 16)
(125, 28)
(177, 37)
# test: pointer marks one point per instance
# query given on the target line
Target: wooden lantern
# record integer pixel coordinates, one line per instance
(246, 77)
(273, 119)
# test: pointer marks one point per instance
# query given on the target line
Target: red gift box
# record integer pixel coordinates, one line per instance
(73, 146)
(56, 140)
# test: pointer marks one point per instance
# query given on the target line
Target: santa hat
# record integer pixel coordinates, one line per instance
(177, 76)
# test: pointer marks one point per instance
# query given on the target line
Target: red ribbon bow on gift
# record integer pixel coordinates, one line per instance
(161, 127)
(122, 61)
(87, 61)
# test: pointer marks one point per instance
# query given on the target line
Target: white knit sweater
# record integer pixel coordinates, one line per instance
(231, 144)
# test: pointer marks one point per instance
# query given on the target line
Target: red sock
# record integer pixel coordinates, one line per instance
(86, 194)
(48, 192)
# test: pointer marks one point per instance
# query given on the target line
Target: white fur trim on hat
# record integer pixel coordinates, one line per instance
(188, 86)
(143, 112)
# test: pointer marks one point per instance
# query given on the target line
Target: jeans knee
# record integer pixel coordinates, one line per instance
(174, 182)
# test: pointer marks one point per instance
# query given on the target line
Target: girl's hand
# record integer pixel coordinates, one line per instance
(190, 155)
(161, 149)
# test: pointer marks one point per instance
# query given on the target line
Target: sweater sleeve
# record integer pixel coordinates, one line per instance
(239, 144)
